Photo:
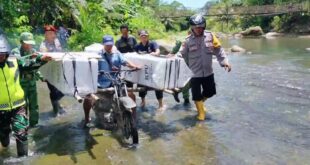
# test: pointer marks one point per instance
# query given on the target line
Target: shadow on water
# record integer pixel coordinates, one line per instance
(173, 120)
(174, 132)
(46, 116)
(64, 139)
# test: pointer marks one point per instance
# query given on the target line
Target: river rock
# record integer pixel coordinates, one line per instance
(164, 46)
(236, 48)
(304, 36)
(273, 34)
(238, 35)
(308, 49)
(221, 35)
(253, 31)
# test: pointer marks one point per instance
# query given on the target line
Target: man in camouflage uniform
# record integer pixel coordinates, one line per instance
(186, 88)
(52, 44)
(12, 111)
(29, 62)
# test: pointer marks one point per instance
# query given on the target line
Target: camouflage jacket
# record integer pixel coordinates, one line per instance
(27, 64)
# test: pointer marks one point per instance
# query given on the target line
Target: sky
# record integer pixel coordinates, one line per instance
(195, 4)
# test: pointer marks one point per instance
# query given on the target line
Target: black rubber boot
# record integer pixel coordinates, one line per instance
(186, 102)
(22, 148)
(5, 140)
(55, 105)
(176, 96)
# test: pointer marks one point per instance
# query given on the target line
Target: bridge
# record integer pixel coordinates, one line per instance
(263, 10)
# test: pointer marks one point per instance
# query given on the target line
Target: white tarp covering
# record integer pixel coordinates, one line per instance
(73, 71)
(96, 48)
(158, 72)
(60, 55)
(78, 71)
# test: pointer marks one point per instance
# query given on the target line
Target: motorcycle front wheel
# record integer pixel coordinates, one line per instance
(130, 130)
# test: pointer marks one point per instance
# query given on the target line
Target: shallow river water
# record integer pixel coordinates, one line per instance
(260, 115)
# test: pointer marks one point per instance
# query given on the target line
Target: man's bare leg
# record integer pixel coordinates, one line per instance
(87, 104)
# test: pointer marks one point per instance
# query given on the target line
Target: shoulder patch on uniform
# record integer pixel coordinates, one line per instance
(207, 33)
(189, 36)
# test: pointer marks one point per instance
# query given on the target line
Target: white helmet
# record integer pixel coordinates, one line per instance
(4, 45)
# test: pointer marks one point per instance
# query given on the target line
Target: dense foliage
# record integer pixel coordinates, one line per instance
(292, 22)
(89, 20)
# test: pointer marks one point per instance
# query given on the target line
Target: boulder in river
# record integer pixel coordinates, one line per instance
(164, 46)
(273, 34)
(304, 36)
(308, 49)
(253, 31)
(236, 48)
(237, 35)
(221, 35)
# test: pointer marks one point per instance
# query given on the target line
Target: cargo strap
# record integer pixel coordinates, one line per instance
(63, 69)
(74, 77)
(91, 73)
(74, 74)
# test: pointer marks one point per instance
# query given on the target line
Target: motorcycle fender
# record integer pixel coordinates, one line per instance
(127, 102)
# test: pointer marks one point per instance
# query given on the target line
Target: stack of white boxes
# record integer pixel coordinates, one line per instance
(158, 72)
(65, 77)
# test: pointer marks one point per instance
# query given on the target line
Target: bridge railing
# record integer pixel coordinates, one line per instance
(257, 10)
(251, 10)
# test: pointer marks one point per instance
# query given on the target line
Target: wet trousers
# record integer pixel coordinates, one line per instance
(15, 120)
(31, 98)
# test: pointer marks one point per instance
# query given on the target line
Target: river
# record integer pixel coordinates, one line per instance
(260, 115)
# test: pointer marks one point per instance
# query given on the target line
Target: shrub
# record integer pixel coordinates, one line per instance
(146, 20)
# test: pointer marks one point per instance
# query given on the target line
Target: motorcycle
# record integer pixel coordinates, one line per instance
(113, 108)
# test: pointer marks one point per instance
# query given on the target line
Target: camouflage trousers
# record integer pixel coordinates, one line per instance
(15, 120)
(185, 91)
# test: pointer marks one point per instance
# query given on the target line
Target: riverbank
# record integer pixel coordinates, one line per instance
(167, 43)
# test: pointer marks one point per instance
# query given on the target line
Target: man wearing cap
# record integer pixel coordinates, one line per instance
(29, 62)
(52, 44)
(197, 52)
(149, 47)
(112, 60)
(12, 111)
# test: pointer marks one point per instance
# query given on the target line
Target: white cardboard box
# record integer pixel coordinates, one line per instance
(67, 78)
(158, 72)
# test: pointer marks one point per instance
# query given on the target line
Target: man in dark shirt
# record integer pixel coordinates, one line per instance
(149, 47)
(146, 46)
(127, 42)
